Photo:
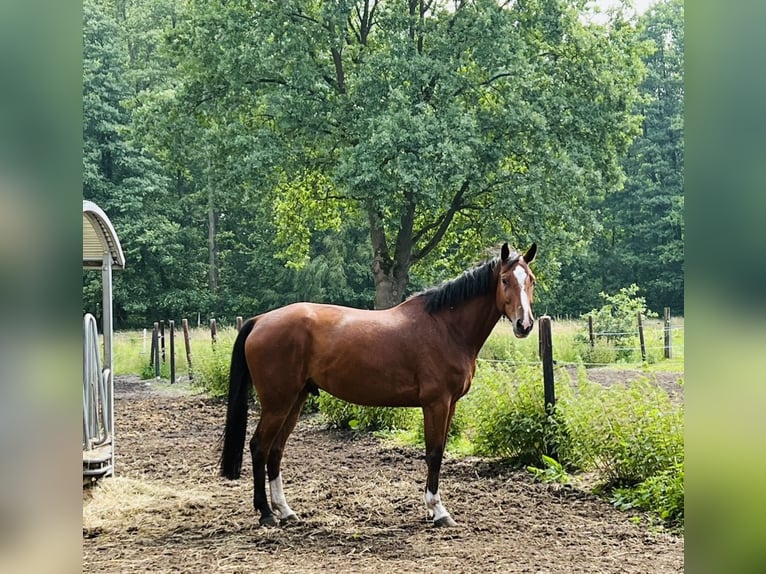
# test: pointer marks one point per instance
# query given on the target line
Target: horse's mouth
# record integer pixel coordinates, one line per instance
(520, 331)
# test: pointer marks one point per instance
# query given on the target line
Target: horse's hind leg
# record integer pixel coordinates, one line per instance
(265, 433)
(278, 501)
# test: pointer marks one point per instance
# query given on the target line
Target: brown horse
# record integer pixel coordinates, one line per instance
(420, 353)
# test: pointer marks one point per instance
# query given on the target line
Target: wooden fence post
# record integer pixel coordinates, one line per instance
(156, 347)
(590, 332)
(213, 331)
(641, 337)
(172, 325)
(667, 333)
(546, 348)
(187, 343)
(162, 339)
(239, 323)
(152, 347)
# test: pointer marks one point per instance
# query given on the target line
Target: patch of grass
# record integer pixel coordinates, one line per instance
(211, 365)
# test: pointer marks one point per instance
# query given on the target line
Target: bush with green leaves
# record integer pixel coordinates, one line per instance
(631, 435)
(148, 371)
(211, 371)
(616, 322)
(628, 433)
(510, 418)
(661, 494)
(342, 414)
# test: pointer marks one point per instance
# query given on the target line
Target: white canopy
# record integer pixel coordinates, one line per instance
(99, 238)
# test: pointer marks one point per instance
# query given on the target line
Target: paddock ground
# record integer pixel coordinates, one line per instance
(360, 504)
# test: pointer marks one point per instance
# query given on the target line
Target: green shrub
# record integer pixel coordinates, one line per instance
(311, 405)
(510, 419)
(497, 347)
(553, 471)
(601, 353)
(342, 414)
(629, 434)
(211, 370)
(617, 320)
(661, 494)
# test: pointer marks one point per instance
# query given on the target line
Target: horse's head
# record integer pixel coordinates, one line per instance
(515, 289)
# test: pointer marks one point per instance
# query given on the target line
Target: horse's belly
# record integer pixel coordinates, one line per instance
(369, 389)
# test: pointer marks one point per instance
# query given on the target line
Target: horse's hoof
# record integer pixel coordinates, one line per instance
(444, 522)
(269, 521)
(288, 519)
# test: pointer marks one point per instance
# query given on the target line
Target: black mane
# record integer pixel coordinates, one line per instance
(471, 283)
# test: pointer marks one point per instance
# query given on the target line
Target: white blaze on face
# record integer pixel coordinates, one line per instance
(521, 277)
(278, 501)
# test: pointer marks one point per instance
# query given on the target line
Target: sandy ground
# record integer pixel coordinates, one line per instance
(359, 502)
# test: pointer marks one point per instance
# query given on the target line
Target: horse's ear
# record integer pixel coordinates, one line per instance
(505, 252)
(529, 256)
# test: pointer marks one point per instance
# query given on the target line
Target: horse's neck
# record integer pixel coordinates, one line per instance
(472, 321)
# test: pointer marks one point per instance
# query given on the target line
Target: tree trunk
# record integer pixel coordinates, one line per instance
(212, 253)
(212, 246)
(391, 281)
(391, 273)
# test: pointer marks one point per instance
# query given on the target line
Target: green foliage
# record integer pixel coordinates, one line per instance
(424, 126)
(632, 436)
(628, 434)
(552, 471)
(510, 416)
(342, 414)
(616, 322)
(642, 222)
(661, 494)
(148, 371)
(211, 370)
(413, 133)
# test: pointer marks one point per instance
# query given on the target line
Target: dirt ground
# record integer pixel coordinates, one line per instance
(359, 501)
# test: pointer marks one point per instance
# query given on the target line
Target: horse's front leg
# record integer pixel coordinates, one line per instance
(436, 419)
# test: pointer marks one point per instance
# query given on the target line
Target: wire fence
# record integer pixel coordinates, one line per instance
(658, 343)
(575, 342)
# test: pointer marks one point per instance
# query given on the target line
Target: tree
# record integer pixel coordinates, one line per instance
(131, 185)
(644, 244)
(445, 126)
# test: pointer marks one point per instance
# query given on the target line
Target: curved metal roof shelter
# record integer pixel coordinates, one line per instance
(99, 238)
(101, 251)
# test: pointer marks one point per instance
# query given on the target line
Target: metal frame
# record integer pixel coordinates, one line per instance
(98, 380)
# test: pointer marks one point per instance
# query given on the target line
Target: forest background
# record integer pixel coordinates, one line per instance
(252, 154)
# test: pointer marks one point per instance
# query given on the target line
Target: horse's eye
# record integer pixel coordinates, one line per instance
(505, 281)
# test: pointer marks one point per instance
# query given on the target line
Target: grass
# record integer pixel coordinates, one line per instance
(131, 348)
(570, 345)
(131, 351)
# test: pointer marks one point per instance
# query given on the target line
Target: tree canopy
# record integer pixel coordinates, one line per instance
(256, 153)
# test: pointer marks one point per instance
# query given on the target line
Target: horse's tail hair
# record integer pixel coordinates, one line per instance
(236, 411)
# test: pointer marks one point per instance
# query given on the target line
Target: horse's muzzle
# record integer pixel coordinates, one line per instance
(520, 331)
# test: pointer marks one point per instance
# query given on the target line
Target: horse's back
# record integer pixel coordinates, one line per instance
(362, 356)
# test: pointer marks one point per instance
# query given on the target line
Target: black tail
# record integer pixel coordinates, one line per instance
(236, 412)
